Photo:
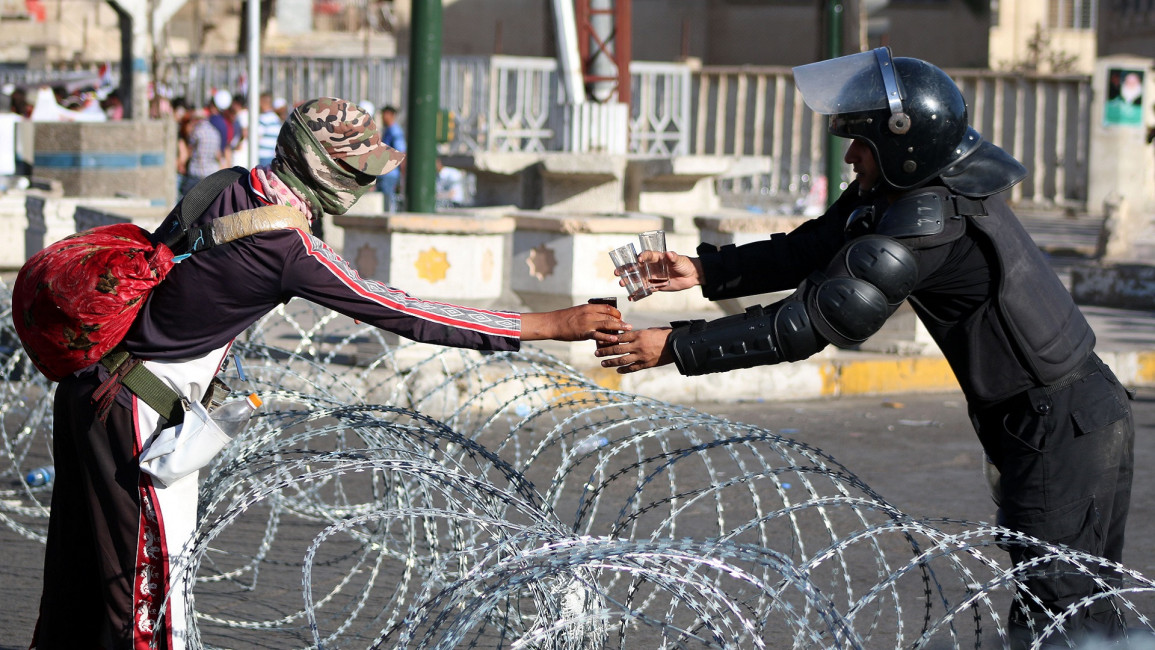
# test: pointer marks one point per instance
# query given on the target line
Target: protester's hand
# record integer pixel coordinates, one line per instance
(639, 350)
(685, 272)
(598, 322)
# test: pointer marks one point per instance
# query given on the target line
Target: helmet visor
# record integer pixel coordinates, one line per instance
(848, 84)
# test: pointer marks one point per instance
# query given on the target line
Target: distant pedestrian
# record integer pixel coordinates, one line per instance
(394, 136)
(239, 114)
(281, 108)
(268, 127)
(205, 155)
(450, 186)
(219, 109)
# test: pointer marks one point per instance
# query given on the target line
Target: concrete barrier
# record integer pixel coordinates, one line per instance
(562, 260)
(35, 218)
(680, 187)
(455, 258)
(1122, 286)
(133, 158)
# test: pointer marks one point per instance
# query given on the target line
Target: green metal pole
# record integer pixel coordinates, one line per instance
(834, 144)
(424, 100)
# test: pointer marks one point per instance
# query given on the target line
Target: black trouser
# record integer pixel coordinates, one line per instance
(91, 551)
(1066, 459)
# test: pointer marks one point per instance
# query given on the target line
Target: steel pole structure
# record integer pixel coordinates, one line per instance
(834, 144)
(424, 100)
(604, 40)
(254, 90)
(569, 55)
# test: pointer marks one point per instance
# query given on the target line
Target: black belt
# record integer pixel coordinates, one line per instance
(1089, 367)
(1040, 396)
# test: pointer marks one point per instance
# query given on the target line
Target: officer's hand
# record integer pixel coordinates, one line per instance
(598, 322)
(639, 350)
(684, 272)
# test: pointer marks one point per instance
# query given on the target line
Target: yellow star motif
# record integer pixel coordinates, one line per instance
(432, 265)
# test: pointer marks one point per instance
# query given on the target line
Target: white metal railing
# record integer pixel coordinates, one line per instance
(524, 93)
(500, 103)
(660, 108)
(504, 103)
(1042, 120)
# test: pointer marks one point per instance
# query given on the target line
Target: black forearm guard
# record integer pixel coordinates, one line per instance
(780, 332)
(866, 282)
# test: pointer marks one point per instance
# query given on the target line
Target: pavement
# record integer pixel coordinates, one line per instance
(881, 417)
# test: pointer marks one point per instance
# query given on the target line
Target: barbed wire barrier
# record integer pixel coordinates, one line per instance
(392, 494)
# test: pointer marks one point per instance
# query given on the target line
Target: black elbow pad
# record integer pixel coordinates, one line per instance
(869, 280)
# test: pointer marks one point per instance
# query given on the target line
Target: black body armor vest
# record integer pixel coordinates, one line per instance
(1030, 333)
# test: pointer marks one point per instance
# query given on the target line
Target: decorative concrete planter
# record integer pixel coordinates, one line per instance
(563, 260)
(582, 182)
(148, 218)
(135, 158)
(680, 187)
(552, 182)
(50, 218)
(455, 258)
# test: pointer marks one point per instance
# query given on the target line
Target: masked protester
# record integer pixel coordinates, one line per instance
(115, 532)
(923, 223)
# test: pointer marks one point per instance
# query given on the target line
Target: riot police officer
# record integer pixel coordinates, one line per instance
(923, 223)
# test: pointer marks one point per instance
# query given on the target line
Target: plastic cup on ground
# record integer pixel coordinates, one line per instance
(657, 274)
(625, 259)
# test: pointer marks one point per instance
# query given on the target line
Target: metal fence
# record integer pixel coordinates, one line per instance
(1042, 120)
(514, 104)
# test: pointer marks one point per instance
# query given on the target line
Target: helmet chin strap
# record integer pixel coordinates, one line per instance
(899, 122)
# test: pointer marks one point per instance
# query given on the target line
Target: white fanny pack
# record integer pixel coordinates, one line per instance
(178, 451)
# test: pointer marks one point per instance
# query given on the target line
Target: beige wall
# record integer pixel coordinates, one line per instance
(472, 27)
(1018, 21)
(719, 32)
(947, 34)
(75, 29)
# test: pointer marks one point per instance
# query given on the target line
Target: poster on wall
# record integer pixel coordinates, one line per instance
(1124, 98)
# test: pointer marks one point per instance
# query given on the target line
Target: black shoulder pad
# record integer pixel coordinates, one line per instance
(913, 215)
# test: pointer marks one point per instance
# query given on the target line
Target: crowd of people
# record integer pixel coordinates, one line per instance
(212, 133)
(216, 136)
(63, 104)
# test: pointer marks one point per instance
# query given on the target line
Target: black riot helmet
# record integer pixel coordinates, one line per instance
(910, 113)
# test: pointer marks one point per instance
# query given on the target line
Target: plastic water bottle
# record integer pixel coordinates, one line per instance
(233, 417)
(41, 476)
(592, 443)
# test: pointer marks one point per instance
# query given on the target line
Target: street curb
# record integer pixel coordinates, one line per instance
(832, 376)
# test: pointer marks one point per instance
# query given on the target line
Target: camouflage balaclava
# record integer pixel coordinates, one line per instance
(329, 152)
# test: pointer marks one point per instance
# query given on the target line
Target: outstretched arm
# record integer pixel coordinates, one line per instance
(574, 324)
(869, 279)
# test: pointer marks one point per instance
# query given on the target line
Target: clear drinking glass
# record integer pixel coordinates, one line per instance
(625, 260)
(657, 274)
